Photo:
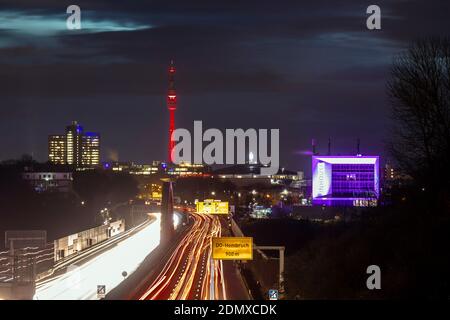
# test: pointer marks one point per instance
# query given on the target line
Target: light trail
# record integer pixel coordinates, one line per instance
(190, 273)
(80, 282)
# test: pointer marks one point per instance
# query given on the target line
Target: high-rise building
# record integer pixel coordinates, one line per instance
(74, 134)
(90, 149)
(57, 149)
(76, 148)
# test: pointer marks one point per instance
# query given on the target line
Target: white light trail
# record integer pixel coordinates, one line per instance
(80, 282)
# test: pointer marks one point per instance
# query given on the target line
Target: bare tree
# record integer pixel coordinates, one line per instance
(420, 93)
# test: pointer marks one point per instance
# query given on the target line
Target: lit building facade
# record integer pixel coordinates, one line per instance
(133, 168)
(90, 149)
(49, 181)
(74, 134)
(145, 169)
(187, 169)
(158, 167)
(248, 174)
(57, 149)
(345, 180)
(75, 148)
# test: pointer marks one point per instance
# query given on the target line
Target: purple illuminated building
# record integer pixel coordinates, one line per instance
(345, 180)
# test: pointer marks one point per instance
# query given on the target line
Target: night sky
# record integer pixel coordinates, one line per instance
(310, 68)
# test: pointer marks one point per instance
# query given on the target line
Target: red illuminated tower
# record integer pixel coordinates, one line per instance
(172, 106)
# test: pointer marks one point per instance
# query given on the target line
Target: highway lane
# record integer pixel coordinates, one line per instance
(86, 254)
(80, 280)
(190, 273)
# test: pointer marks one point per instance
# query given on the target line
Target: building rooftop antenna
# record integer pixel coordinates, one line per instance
(329, 146)
(313, 145)
(358, 143)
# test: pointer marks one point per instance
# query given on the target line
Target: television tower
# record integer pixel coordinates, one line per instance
(172, 106)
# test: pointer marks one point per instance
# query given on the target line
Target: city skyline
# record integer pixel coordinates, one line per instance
(226, 155)
(312, 70)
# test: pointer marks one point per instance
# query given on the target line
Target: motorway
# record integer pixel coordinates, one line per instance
(190, 273)
(105, 267)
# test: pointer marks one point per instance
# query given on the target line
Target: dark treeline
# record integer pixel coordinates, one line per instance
(419, 90)
(329, 260)
(408, 239)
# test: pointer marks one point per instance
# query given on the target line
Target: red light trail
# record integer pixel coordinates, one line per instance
(190, 273)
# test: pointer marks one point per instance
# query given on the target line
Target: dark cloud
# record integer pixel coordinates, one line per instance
(310, 68)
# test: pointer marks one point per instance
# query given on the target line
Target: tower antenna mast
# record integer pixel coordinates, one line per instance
(172, 106)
